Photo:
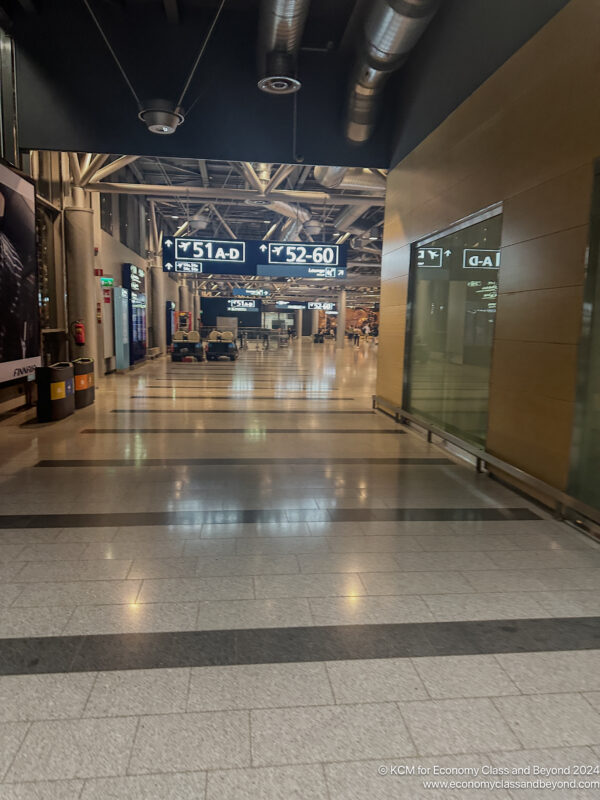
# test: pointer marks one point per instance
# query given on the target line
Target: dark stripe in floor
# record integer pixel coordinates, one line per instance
(105, 652)
(300, 431)
(284, 395)
(232, 385)
(121, 519)
(228, 411)
(238, 462)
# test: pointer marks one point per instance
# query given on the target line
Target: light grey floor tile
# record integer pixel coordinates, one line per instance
(415, 583)
(545, 559)
(347, 562)
(501, 580)
(543, 673)
(308, 585)
(555, 540)
(9, 552)
(25, 536)
(306, 782)
(375, 681)
(42, 790)
(594, 699)
(209, 547)
(548, 758)
(83, 748)
(250, 529)
(495, 605)
(457, 542)
(328, 733)
(569, 579)
(416, 529)
(86, 535)
(20, 622)
(259, 686)
(283, 545)
(506, 527)
(247, 565)
(9, 593)
(335, 528)
(457, 726)
(428, 562)
(142, 692)
(52, 552)
(123, 550)
(36, 697)
(78, 593)
(368, 610)
(262, 613)
(133, 618)
(362, 780)
(105, 569)
(551, 720)
(182, 786)
(189, 742)
(9, 572)
(570, 604)
(463, 676)
(374, 544)
(170, 590)
(157, 533)
(11, 737)
(163, 568)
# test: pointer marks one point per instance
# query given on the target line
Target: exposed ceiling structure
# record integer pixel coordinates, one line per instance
(258, 201)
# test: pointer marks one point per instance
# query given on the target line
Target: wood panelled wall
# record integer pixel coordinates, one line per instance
(528, 137)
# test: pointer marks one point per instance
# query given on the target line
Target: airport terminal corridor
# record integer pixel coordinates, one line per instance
(236, 580)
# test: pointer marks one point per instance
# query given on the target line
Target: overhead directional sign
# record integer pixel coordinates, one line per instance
(429, 257)
(234, 257)
(481, 259)
(250, 292)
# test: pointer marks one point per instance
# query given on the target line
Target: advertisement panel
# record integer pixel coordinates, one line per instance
(19, 306)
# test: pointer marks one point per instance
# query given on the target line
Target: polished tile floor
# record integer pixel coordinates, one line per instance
(237, 581)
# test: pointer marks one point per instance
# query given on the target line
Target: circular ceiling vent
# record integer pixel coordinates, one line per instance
(279, 84)
(161, 117)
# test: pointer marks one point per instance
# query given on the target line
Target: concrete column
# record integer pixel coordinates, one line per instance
(340, 339)
(196, 310)
(158, 314)
(182, 304)
(81, 286)
(314, 322)
(298, 323)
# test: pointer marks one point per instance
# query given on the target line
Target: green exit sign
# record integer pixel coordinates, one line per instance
(107, 281)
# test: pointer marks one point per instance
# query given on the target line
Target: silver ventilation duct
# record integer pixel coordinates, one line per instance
(392, 28)
(281, 25)
(364, 180)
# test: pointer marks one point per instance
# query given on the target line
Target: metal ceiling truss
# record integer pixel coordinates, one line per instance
(239, 200)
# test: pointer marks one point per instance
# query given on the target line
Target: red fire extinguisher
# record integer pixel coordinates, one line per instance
(78, 329)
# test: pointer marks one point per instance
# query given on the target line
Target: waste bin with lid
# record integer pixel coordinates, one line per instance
(84, 382)
(56, 392)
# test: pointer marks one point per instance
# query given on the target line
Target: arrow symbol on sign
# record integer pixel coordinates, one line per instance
(447, 252)
(168, 266)
(263, 247)
(169, 242)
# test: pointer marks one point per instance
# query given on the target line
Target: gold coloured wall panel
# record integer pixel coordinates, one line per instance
(528, 137)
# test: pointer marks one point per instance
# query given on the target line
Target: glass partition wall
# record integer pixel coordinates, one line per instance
(584, 483)
(453, 290)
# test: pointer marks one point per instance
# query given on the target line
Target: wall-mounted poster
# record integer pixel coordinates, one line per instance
(19, 305)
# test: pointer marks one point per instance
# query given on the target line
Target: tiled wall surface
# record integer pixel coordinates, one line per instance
(528, 137)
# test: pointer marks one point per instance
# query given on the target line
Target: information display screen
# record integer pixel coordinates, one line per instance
(273, 259)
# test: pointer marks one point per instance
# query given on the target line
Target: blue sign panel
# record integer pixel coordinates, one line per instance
(234, 257)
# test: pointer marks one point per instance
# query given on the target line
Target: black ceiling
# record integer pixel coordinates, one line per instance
(71, 95)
